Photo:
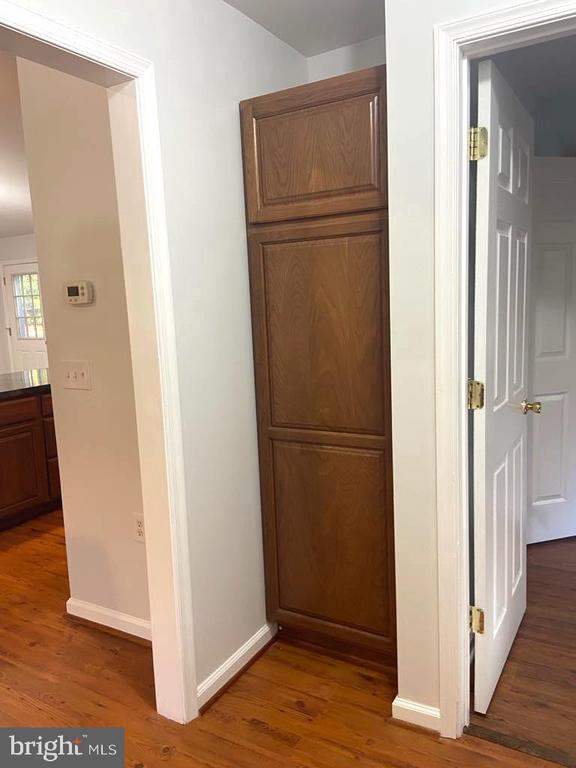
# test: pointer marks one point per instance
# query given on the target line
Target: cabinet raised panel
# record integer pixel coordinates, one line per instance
(322, 301)
(23, 476)
(333, 560)
(318, 149)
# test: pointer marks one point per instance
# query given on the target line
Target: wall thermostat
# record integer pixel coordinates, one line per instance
(80, 292)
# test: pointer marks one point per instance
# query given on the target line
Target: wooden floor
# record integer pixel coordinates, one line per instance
(293, 708)
(535, 700)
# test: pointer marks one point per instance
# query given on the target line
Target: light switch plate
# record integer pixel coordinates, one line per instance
(77, 374)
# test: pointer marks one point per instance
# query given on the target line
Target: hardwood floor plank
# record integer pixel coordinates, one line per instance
(293, 708)
(535, 699)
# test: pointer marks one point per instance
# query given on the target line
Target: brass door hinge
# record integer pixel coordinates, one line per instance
(476, 620)
(478, 143)
(475, 395)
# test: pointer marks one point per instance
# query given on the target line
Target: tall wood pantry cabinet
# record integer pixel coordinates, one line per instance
(316, 202)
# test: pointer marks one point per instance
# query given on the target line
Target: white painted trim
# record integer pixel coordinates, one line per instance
(169, 571)
(451, 275)
(109, 618)
(416, 714)
(87, 48)
(455, 43)
(235, 663)
(179, 616)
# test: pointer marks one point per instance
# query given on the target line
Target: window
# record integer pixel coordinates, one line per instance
(28, 306)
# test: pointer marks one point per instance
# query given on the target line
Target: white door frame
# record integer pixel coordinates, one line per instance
(157, 397)
(455, 44)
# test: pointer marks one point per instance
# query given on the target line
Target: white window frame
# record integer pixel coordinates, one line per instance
(6, 296)
(455, 45)
(153, 340)
(13, 297)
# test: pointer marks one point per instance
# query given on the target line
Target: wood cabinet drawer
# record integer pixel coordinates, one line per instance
(20, 410)
(50, 438)
(47, 405)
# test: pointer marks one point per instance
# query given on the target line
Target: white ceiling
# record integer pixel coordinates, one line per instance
(15, 205)
(316, 26)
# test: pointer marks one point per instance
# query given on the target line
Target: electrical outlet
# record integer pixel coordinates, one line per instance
(139, 530)
(77, 374)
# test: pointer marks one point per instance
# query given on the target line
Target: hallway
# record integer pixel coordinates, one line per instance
(535, 702)
(293, 708)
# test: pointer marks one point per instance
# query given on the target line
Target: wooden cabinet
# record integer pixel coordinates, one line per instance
(28, 484)
(319, 293)
(51, 450)
(318, 149)
(23, 473)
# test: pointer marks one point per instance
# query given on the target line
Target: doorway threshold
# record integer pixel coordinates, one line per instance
(521, 745)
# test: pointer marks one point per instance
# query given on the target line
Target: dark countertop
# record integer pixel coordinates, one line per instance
(24, 383)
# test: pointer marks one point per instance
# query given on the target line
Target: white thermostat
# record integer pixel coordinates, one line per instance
(81, 292)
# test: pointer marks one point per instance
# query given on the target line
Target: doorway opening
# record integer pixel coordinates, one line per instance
(457, 45)
(523, 322)
(69, 219)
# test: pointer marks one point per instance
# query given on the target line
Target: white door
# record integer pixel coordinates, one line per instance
(24, 314)
(552, 480)
(503, 246)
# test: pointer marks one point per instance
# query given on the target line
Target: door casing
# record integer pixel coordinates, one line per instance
(152, 340)
(455, 45)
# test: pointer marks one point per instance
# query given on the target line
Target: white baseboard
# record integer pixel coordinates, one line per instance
(416, 714)
(109, 618)
(234, 663)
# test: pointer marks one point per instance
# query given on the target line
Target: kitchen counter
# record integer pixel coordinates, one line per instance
(23, 383)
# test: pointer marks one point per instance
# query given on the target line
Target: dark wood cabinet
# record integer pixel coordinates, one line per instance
(320, 316)
(51, 449)
(316, 150)
(23, 472)
(29, 481)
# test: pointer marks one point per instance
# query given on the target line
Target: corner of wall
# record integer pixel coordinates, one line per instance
(349, 58)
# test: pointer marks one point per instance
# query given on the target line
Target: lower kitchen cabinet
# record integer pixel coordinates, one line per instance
(29, 480)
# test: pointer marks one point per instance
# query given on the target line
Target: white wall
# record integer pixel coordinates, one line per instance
(20, 248)
(340, 61)
(15, 209)
(207, 58)
(555, 122)
(72, 182)
(410, 72)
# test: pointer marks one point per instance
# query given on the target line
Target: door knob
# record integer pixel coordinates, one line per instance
(535, 407)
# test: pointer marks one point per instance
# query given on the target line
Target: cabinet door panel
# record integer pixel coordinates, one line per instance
(318, 149)
(323, 315)
(320, 323)
(332, 538)
(50, 437)
(54, 478)
(23, 475)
